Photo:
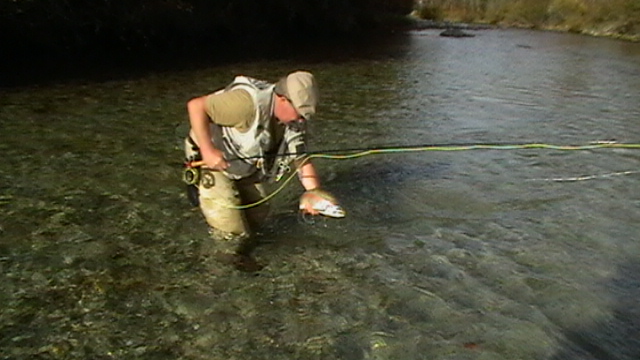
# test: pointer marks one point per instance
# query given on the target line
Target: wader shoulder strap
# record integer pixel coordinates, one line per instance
(238, 168)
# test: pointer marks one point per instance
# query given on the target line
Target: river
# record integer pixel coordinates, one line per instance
(468, 254)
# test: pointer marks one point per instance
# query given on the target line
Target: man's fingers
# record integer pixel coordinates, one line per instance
(221, 165)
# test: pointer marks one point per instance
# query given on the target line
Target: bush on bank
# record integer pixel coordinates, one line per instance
(618, 18)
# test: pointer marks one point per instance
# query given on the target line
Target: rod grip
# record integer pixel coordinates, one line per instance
(195, 163)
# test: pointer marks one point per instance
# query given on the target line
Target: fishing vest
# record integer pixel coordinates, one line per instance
(256, 149)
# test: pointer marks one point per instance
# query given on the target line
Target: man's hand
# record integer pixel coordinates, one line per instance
(321, 202)
(214, 159)
(307, 202)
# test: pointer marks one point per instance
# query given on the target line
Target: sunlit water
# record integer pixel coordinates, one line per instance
(483, 254)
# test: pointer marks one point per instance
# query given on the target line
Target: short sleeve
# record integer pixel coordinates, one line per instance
(231, 108)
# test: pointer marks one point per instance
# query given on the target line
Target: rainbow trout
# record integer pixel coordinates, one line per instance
(325, 203)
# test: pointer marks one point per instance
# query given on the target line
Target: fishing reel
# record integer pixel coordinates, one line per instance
(191, 175)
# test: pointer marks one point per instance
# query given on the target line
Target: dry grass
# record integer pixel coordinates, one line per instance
(619, 18)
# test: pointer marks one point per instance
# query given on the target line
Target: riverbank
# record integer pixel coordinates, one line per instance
(618, 19)
(608, 31)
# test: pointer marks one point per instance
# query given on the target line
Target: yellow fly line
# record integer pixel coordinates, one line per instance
(406, 149)
(597, 145)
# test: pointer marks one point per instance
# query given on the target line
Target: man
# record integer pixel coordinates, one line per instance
(244, 134)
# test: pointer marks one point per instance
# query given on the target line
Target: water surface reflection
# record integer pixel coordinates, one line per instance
(466, 255)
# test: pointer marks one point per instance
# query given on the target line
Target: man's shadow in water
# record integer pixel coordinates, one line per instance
(369, 191)
(375, 190)
(615, 339)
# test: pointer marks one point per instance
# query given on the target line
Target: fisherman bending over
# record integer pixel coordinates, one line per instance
(244, 134)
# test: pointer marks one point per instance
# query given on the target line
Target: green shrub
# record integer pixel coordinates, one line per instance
(429, 10)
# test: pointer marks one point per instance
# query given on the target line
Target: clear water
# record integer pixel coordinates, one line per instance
(484, 254)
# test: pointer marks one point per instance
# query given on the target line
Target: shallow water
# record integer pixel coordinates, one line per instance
(482, 254)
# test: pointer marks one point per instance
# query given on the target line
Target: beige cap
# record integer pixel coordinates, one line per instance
(301, 89)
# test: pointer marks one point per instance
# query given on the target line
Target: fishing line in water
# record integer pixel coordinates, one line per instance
(346, 154)
(586, 177)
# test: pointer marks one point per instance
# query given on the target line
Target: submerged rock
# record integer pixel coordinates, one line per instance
(455, 32)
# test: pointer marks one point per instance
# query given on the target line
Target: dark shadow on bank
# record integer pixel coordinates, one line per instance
(617, 338)
(105, 63)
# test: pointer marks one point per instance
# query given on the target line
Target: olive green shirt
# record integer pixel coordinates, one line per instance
(231, 108)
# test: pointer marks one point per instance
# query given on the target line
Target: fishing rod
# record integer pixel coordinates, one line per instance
(356, 152)
(342, 154)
